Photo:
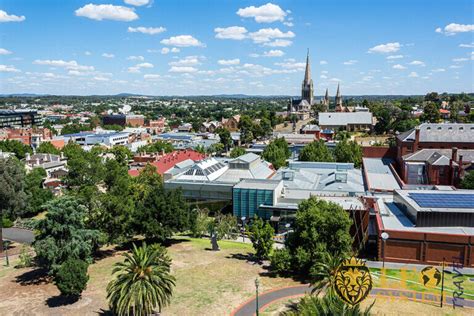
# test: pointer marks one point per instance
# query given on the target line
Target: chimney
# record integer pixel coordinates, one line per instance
(454, 154)
(417, 138)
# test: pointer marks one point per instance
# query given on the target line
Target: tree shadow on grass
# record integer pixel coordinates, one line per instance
(61, 300)
(104, 312)
(103, 254)
(248, 257)
(272, 274)
(33, 277)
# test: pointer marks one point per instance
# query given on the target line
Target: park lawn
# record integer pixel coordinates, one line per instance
(414, 282)
(207, 282)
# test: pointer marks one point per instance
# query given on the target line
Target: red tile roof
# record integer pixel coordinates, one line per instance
(168, 161)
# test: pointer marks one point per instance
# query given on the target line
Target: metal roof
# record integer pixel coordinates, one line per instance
(441, 133)
(343, 118)
(379, 174)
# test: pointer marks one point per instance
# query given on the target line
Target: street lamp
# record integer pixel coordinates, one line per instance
(6, 243)
(384, 236)
(243, 218)
(257, 283)
(287, 228)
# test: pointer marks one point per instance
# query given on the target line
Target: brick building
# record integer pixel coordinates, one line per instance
(436, 154)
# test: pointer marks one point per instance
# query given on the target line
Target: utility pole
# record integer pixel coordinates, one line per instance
(257, 283)
(442, 283)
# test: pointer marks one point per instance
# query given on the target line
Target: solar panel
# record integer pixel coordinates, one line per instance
(443, 200)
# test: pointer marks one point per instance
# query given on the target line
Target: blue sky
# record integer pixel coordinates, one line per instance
(176, 47)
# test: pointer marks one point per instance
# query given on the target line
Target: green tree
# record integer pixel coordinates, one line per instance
(468, 181)
(348, 151)
(316, 151)
(18, 148)
(216, 148)
(323, 273)
(430, 113)
(157, 147)
(71, 278)
(84, 168)
(246, 127)
(37, 195)
(225, 137)
(237, 152)
(277, 152)
(161, 214)
(143, 282)
(12, 190)
(281, 261)
(266, 127)
(201, 224)
(320, 228)
(122, 154)
(63, 234)
(47, 148)
(261, 235)
(223, 226)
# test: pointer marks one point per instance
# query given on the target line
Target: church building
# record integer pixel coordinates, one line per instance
(302, 107)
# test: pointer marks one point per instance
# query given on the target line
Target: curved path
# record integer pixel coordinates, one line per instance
(265, 299)
(19, 235)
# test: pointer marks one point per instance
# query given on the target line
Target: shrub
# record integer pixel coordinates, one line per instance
(26, 259)
(71, 278)
(6, 222)
(280, 261)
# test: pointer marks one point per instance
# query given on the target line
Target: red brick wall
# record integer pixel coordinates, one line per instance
(379, 152)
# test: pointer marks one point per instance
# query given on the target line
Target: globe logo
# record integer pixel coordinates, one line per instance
(430, 276)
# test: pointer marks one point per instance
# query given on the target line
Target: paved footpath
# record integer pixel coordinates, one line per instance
(265, 299)
(20, 235)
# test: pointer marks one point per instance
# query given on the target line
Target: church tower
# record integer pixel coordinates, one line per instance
(307, 86)
(339, 107)
(326, 99)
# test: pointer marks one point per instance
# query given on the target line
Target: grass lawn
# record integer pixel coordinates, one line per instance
(411, 280)
(208, 283)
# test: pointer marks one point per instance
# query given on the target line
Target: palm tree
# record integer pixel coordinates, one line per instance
(326, 306)
(323, 273)
(143, 282)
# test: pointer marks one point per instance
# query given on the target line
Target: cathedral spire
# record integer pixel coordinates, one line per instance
(326, 96)
(307, 73)
(338, 93)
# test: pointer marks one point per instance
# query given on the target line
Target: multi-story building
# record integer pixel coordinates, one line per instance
(123, 120)
(20, 118)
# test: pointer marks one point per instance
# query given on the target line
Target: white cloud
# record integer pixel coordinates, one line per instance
(289, 24)
(324, 72)
(273, 53)
(106, 55)
(439, 70)
(182, 69)
(454, 28)
(385, 48)
(350, 62)
(146, 30)
(187, 61)
(399, 67)
(467, 45)
(165, 50)
(279, 43)
(87, 53)
(101, 12)
(100, 78)
(181, 41)
(264, 14)
(6, 68)
(455, 66)
(394, 57)
(5, 17)
(417, 63)
(138, 58)
(175, 50)
(4, 51)
(151, 76)
(323, 62)
(231, 32)
(413, 75)
(70, 65)
(137, 3)
(137, 67)
(323, 77)
(229, 62)
(458, 60)
(291, 64)
(268, 34)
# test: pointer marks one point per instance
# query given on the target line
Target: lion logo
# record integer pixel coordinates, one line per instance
(353, 281)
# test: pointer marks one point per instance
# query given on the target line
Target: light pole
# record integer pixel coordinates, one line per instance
(384, 236)
(243, 218)
(257, 283)
(6, 243)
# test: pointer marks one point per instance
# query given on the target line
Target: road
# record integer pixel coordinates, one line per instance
(264, 299)
(19, 235)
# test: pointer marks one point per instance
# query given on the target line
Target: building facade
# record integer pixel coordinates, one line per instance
(20, 118)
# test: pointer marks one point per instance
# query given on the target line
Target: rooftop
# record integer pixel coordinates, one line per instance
(436, 201)
(343, 118)
(441, 133)
(379, 175)
(262, 184)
